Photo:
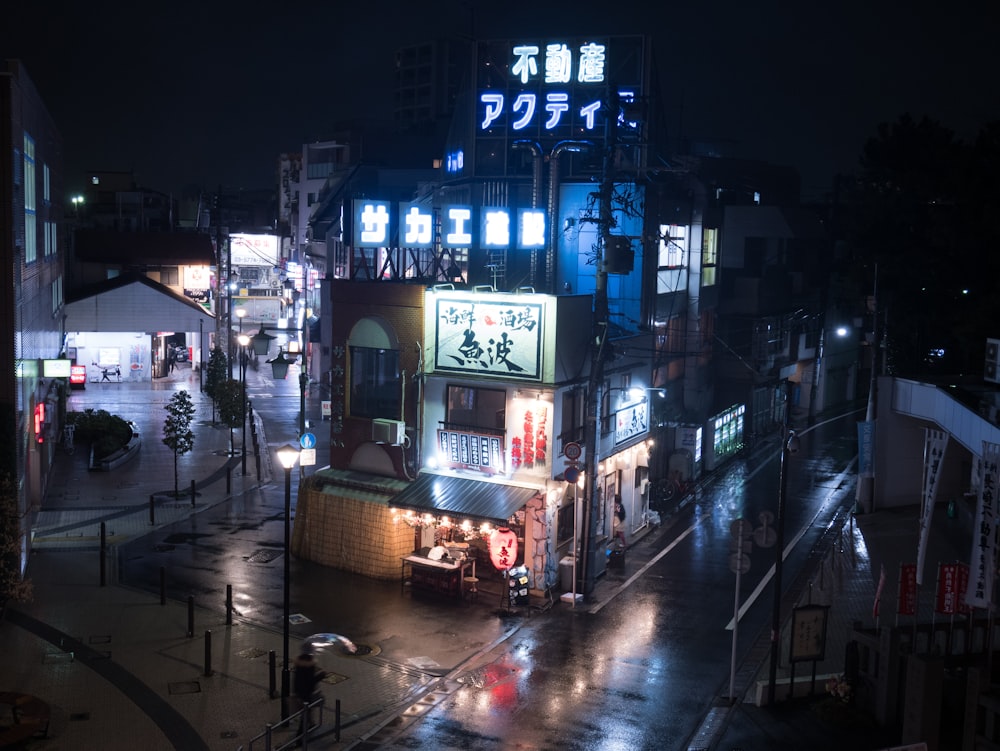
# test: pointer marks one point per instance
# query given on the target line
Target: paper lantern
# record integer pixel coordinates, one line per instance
(503, 548)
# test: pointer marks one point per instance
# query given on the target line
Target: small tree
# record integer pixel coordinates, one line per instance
(177, 433)
(218, 373)
(230, 398)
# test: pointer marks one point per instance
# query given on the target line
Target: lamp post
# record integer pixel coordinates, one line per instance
(244, 340)
(279, 365)
(789, 445)
(287, 455)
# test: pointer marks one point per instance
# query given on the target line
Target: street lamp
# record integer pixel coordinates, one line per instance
(244, 340)
(279, 365)
(287, 455)
(790, 445)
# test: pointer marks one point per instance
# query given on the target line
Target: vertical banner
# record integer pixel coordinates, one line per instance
(935, 442)
(979, 593)
(907, 589)
(878, 592)
(952, 580)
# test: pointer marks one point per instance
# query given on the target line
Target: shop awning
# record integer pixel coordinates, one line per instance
(444, 495)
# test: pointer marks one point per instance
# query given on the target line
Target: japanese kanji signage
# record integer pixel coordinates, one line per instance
(554, 87)
(953, 578)
(631, 420)
(380, 224)
(984, 536)
(808, 640)
(480, 336)
(469, 450)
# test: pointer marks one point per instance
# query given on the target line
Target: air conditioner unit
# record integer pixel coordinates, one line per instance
(392, 432)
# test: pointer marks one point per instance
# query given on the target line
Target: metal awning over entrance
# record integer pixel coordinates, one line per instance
(444, 495)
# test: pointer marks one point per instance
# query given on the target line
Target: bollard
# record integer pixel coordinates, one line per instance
(258, 466)
(272, 684)
(104, 552)
(163, 586)
(229, 604)
(192, 494)
(190, 615)
(208, 652)
(336, 720)
(152, 512)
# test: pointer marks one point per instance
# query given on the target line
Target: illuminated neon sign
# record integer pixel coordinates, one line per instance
(377, 224)
(542, 82)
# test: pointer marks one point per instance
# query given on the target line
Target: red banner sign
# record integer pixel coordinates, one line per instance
(952, 581)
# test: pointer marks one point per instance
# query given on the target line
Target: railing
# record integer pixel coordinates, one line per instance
(300, 739)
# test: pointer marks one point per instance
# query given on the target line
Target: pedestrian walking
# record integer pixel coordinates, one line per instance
(172, 359)
(308, 674)
(619, 522)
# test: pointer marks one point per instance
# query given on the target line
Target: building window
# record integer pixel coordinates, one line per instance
(470, 407)
(46, 195)
(673, 245)
(30, 227)
(50, 239)
(375, 384)
(169, 276)
(574, 414)
(709, 256)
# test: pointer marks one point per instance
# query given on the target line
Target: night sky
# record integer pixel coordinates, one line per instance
(210, 93)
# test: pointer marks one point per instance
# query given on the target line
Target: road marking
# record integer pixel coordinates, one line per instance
(625, 585)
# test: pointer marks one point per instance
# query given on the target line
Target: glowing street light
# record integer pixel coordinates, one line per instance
(287, 455)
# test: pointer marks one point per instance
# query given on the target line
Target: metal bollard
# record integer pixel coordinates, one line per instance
(163, 586)
(272, 684)
(104, 554)
(336, 720)
(193, 495)
(229, 604)
(190, 615)
(258, 466)
(208, 652)
(152, 512)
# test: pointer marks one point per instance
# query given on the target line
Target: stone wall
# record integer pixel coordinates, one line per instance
(349, 529)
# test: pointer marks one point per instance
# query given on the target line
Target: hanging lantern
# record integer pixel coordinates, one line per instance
(503, 548)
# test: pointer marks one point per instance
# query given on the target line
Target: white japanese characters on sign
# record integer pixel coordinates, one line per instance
(497, 227)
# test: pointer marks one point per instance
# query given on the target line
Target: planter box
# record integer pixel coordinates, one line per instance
(122, 455)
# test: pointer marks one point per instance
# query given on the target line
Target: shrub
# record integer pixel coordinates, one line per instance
(105, 432)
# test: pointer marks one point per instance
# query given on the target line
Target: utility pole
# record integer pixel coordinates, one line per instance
(588, 552)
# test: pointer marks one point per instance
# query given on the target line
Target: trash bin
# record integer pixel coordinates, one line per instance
(566, 573)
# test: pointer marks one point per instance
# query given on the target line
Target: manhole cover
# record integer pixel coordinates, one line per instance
(252, 653)
(184, 687)
(264, 556)
(334, 678)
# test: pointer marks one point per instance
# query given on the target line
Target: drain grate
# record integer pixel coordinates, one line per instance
(264, 556)
(184, 687)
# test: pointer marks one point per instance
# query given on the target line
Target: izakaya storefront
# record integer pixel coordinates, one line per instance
(471, 535)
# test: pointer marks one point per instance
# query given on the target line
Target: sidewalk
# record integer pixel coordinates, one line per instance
(119, 670)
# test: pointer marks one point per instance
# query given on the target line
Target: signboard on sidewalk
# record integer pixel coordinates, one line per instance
(907, 589)
(808, 642)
